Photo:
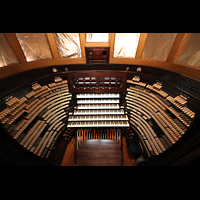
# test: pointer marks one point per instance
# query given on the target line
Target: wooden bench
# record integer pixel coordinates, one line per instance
(99, 153)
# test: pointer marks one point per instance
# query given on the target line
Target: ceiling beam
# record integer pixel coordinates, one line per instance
(97, 44)
(82, 37)
(16, 47)
(176, 47)
(111, 43)
(53, 46)
(141, 44)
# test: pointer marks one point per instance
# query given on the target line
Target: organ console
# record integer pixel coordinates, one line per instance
(156, 113)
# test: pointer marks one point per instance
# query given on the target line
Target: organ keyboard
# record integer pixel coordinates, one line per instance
(94, 101)
(97, 95)
(98, 106)
(98, 110)
(97, 117)
(98, 124)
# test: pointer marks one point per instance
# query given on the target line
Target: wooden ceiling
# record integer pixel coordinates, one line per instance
(169, 64)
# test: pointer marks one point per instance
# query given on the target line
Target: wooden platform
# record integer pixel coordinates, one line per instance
(99, 152)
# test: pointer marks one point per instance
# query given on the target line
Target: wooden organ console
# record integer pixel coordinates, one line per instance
(152, 106)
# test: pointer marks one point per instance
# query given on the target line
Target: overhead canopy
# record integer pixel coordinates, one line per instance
(169, 49)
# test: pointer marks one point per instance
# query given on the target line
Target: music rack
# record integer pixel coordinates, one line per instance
(97, 82)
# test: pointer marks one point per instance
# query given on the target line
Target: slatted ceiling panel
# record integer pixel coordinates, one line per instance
(126, 45)
(68, 45)
(189, 53)
(158, 46)
(35, 46)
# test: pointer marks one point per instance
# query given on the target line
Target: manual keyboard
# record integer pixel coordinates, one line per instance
(98, 110)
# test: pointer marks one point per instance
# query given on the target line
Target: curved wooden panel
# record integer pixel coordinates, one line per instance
(9, 70)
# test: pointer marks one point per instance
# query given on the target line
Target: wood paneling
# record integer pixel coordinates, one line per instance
(99, 54)
(69, 158)
(128, 158)
(9, 70)
(14, 69)
(97, 44)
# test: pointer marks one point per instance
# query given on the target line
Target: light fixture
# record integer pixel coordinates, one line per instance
(55, 70)
(139, 69)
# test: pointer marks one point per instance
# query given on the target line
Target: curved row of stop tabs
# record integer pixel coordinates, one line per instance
(160, 120)
(37, 119)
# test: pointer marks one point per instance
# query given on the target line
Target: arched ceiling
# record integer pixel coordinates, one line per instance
(177, 52)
